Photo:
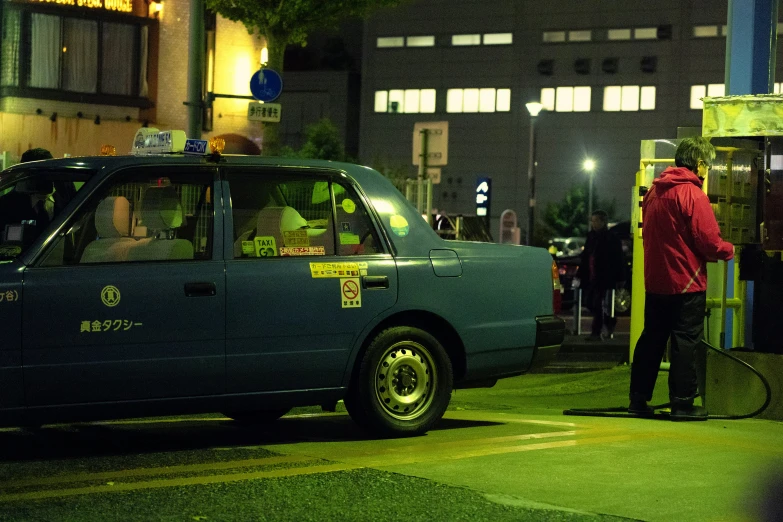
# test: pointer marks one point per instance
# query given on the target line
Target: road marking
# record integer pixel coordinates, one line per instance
(141, 472)
(167, 483)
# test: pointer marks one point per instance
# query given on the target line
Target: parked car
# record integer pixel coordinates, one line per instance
(169, 284)
(568, 266)
(566, 246)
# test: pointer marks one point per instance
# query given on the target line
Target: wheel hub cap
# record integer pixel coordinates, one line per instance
(405, 380)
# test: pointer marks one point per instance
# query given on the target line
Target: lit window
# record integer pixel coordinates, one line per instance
(612, 98)
(697, 93)
(645, 33)
(427, 100)
(391, 41)
(554, 36)
(454, 100)
(705, 31)
(470, 100)
(700, 91)
(580, 36)
(548, 98)
(381, 101)
(776, 88)
(408, 100)
(716, 89)
(411, 104)
(498, 38)
(421, 41)
(564, 100)
(618, 34)
(486, 100)
(582, 99)
(466, 39)
(503, 103)
(630, 98)
(478, 100)
(647, 101)
(396, 101)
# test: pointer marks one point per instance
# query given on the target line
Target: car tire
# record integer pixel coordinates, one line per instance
(403, 384)
(257, 417)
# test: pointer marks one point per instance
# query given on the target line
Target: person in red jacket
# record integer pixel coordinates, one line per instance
(680, 236)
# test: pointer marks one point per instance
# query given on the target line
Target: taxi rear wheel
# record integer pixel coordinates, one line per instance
(403, 385)
(256, 417)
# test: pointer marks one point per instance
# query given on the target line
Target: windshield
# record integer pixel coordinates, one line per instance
(30, 202)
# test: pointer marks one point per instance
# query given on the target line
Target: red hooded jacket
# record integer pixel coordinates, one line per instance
(680, 234)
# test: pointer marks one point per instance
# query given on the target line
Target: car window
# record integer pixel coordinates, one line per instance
(30, 202)
(285, 215)
(145, 215)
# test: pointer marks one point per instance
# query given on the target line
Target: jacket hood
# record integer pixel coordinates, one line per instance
(673, 176)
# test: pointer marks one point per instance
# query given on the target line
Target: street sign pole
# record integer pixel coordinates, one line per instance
(422, 171)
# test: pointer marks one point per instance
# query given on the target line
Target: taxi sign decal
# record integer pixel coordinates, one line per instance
(349, 206)
(296, 238)
(303, 251)
(265, 246)
(399, 225)
(9, 296)
(249, 248)
(110, 295)
(346, 238)
(324, 270)
(107, 325)
(351, 292)
(193, 146)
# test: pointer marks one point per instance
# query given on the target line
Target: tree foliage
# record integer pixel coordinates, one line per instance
(287, 22)
(569, 217)
(323, 141)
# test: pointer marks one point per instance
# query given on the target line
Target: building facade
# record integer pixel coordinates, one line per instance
(609, 74)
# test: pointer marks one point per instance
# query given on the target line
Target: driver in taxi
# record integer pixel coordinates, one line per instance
(29, 201)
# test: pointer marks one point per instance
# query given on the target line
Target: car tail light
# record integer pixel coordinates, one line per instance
(557, 289)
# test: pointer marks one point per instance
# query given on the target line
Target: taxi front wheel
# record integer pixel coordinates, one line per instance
(403, 385)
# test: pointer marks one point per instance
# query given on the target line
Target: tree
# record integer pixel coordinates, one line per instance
(288, 22)
(568, 218)
(322, 141)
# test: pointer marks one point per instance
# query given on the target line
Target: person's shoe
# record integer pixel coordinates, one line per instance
(688, 412)
(640, 407)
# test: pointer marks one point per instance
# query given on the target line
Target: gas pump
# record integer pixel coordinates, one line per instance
(744, 305)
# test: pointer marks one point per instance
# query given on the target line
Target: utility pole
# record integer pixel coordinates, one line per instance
(195, 68)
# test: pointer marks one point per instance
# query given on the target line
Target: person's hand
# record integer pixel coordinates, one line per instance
(575, 282)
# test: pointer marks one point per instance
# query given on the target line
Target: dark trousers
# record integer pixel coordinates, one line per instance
(681, 318)
(599, 302)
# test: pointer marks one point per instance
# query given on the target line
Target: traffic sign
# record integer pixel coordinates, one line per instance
(266, 85)
(483, 194)
(437, 142)
(257, 111)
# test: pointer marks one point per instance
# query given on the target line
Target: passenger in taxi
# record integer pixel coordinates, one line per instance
(30, 200)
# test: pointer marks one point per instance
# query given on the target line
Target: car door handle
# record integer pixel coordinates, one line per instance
(200, 289)
(375, 282)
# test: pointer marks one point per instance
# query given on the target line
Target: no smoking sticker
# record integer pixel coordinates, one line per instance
(351, 293)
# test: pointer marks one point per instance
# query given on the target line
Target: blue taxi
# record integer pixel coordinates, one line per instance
(164, 283)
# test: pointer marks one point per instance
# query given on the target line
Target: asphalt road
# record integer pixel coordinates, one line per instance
(506, 453)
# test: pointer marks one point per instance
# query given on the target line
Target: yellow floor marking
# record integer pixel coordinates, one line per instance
(375, 461)
(166, 483)
(141, 472)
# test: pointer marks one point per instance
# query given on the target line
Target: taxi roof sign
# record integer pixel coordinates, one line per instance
(153, 141)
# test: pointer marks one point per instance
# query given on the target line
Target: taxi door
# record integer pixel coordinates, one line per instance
(10, 334)
(136, 313)
(294, 313)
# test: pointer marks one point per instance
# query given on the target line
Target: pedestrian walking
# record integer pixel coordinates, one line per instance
(680, 236)
(600, 272)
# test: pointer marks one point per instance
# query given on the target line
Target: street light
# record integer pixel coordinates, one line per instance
(533, 108)
(589, 166)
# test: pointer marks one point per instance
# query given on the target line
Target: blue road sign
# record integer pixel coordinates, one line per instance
(266, 85)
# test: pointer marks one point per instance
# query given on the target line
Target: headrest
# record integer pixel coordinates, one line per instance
(112, 217)
(34, 186)
(161, 209)
(273, 220)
